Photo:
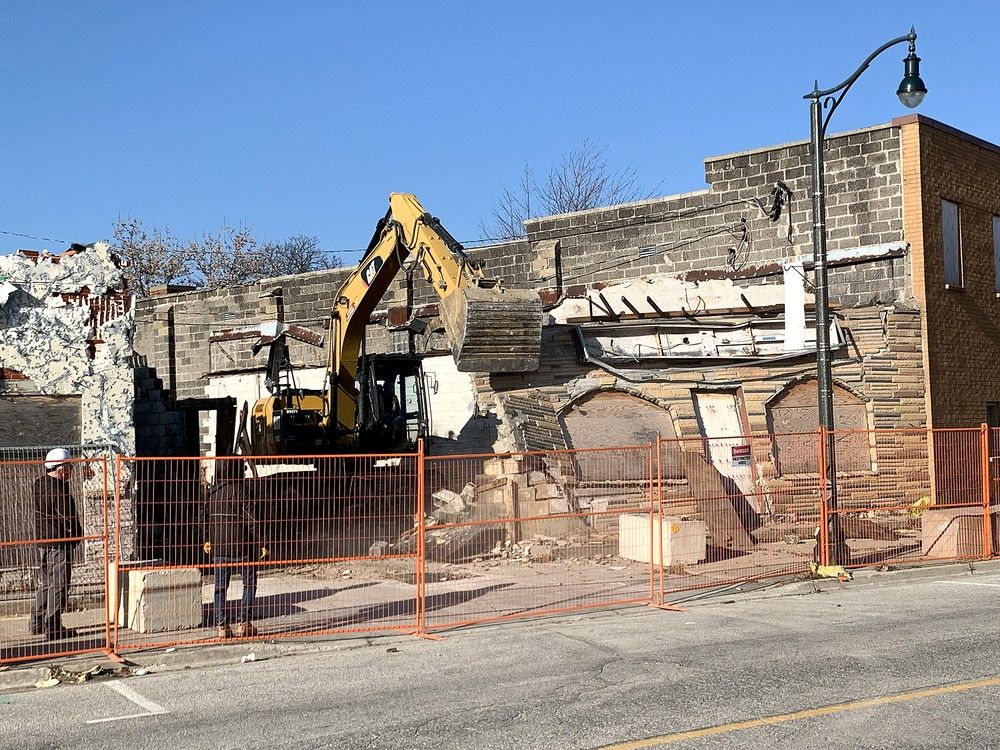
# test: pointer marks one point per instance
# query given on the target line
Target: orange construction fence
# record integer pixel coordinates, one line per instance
(33, 562)
(204, 549)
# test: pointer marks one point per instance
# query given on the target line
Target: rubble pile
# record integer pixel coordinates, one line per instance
(511, 501)
(66, 325)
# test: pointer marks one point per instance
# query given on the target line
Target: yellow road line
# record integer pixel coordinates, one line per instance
(806, 713)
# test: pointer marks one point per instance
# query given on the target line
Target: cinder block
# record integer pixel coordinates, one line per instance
(499, 467)
(547, 492)
(154, 600)
(683, 541)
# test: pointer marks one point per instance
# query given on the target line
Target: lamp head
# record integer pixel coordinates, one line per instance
(911, 89)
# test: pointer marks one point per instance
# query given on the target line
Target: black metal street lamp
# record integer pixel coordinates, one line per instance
(911, 92)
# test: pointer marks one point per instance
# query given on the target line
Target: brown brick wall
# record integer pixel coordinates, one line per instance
(962, 335)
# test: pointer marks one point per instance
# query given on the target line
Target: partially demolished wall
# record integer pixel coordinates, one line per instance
(67, 329)
(735, 256)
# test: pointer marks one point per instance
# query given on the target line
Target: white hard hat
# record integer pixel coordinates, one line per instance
(56, 458)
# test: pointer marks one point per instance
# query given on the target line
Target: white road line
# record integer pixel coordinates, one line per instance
(970, 583)
(151, 709)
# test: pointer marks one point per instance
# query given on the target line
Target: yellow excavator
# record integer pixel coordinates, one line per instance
(379, 402)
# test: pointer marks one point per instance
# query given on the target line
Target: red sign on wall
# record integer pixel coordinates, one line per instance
(741, 455)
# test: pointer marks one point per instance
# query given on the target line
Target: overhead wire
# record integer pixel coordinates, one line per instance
(32, 236)
(780, 195)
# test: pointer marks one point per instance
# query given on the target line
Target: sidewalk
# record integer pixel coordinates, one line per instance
(19, 678)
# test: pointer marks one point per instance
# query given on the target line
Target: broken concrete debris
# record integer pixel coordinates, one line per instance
(515, 509)
(67, 330)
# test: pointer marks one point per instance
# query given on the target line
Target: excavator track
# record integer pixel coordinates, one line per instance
(493, 329)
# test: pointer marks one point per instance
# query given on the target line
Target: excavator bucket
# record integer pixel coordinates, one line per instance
(493, 329)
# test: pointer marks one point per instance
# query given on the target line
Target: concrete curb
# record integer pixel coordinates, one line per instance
(21, 678)
(862, 577)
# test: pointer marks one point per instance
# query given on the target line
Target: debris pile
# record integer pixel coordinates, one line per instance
(66, 328)
(512, 500)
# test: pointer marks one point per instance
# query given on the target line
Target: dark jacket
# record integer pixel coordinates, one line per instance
(230, 524)
(55, 512)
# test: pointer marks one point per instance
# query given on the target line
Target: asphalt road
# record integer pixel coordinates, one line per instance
(908, 662)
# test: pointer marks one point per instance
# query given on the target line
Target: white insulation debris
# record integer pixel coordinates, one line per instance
(48, 340)
(93, 268)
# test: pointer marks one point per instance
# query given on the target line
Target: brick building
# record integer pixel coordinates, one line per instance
(689, 315)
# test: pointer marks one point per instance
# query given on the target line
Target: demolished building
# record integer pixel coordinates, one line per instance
(66, 379)
(670, 301)
(688, 317)
(66, 349)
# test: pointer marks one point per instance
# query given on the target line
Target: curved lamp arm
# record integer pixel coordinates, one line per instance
(845, 85)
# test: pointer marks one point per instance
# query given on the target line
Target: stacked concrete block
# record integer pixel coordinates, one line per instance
(151, 601)
(642, 538)
(524, 487)
(159, 428)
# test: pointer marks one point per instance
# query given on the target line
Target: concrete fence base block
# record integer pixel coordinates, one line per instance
(683, 541)
(951, 532)
(154, 601)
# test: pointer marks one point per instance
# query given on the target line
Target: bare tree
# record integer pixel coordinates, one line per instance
(150, 256)
(230, 257)
(508, 214)
(581, 180)
(226, 258)
(297, 254)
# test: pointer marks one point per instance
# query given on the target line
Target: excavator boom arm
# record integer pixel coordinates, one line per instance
(490, 328)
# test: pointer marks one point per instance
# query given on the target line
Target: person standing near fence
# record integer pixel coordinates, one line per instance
(233, 540)
(58, 529)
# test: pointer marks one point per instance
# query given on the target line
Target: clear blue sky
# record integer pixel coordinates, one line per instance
(301, 117)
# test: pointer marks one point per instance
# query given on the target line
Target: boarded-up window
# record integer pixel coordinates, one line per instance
(39, 420)
(614, 419)
(951, 233)
(797, 411)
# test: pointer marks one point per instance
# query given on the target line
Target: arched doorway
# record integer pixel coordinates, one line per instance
(793, 411)
(612, 418)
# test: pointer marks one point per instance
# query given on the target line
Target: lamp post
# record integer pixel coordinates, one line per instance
(911, 92)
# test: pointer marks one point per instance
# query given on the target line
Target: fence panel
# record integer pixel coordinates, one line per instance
(919, 496)
(327, 523)
(408, 543)
(84, 617)
(732, 513)
(531, 534)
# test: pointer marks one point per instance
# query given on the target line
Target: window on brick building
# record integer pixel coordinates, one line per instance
(996, 251)
(951, 232)
(793, 414)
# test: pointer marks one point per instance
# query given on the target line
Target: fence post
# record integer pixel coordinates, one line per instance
(984, 470)
(117, 536)
(107, 554)
(823, 540)
(652, 528)
(659, 513)
(421, 540)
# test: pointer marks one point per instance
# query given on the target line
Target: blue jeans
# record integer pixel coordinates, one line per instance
(222, 575)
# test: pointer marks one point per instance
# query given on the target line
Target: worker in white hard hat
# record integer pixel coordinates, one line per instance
(58, 533)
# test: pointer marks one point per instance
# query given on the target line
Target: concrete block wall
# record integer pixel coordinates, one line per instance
(685, 234)
(173, 332)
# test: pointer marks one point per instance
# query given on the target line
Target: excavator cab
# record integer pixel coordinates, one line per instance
(289, 421)
(393, 411)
